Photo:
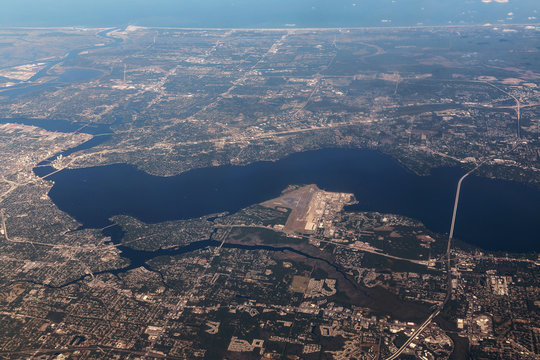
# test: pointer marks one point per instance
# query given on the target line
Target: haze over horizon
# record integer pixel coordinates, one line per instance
(265, 14)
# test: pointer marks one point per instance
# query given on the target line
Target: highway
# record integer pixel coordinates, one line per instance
(417, 332)
(450, 236)
(449, 289)
(517, 108)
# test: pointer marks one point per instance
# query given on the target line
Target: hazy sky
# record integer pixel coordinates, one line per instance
(264, 13)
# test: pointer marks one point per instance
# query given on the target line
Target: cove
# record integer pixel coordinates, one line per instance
(493, 214)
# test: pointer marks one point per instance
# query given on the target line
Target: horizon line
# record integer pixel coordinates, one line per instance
(270, 28)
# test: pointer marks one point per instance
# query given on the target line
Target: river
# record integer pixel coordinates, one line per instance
(493, 214)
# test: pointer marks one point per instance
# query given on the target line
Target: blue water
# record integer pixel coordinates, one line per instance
(264, 13)
(61, 125)
(71, 75)
(78, 75)
(24, 89)
(493, 214)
